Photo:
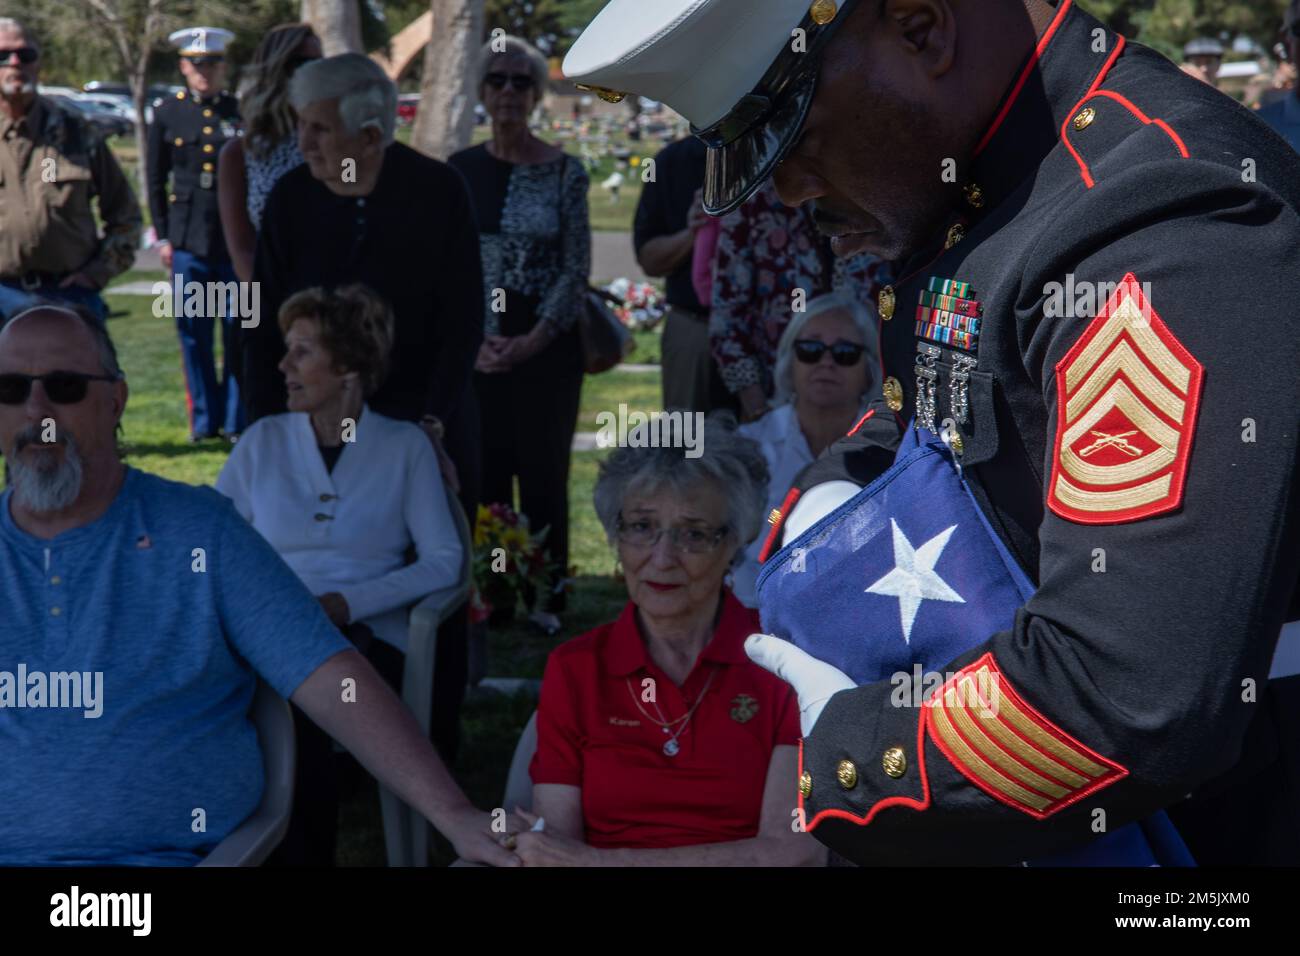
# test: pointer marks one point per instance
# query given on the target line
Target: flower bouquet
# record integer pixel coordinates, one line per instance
(509, 563)
(643, 305)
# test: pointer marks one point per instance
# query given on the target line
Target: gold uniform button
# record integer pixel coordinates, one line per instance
(207, 131)
(893, 394)
(823, 12)
(805, 784)
(775, 516)
(1085, 118)
(887, 301)
(180, 95)
(846, 774)
(955, 235)
(179, 141)
(171, 198)
(207, 112)
(207, 167)
(207, 147)
(56, 611)
(56, 580)
(895, 762)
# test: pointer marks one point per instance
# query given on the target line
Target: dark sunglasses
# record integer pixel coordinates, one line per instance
(518, 81)
(63, 388)
(296, 61)
(810, 351)
(26, 54)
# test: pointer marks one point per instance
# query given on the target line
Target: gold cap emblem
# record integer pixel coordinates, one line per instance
(895, 762)
(608, 95)
(823, 12)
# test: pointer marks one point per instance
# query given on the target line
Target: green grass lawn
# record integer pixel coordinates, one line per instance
(155, 435)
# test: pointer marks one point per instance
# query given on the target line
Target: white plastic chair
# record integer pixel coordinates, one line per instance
(519, 786)
(250, 843)
(406, 831)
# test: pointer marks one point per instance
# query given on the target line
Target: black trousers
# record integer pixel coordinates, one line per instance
(313, 827)
(529, 416)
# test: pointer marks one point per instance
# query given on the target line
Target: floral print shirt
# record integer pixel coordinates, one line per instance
(767, 250)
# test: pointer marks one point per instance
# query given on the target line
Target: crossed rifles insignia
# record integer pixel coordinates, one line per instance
(1111, 441)
(1127, 396)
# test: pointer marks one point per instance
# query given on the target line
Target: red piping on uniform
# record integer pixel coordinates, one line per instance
(1117, 771)
(791, 497)
(1069, 117)
(1024, 76)
(861, 421)
(910, 802)
(1182, 147)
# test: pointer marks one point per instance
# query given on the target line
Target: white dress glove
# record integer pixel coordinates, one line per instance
(814, 681)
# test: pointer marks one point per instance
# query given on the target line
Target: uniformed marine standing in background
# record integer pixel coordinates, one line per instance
(1098, 257)
(185, 137)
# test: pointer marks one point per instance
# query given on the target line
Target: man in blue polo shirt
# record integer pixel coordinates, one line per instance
(137, 616)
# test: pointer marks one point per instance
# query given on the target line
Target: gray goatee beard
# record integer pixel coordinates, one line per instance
(50, 485)
(16, 87)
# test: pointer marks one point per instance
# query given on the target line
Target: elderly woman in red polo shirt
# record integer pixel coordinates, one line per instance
(658, 741)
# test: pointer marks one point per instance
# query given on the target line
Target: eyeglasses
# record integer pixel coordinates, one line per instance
(810, 351)
(518, 81)
(26, 54)
(643, 535)
(63, 388)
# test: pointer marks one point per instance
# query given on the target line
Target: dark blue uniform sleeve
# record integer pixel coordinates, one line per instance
(1131, 675)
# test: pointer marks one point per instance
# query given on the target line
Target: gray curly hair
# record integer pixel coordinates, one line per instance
(730, 462)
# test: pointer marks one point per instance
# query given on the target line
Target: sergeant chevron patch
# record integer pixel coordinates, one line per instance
(1127, 396)
(1009, 750)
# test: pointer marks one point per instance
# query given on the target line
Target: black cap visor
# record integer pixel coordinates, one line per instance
(747, 144)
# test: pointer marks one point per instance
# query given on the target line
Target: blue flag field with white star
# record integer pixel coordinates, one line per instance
(907, 573)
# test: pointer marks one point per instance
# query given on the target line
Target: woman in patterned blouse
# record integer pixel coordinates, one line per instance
(530, 200)
(248, 167)
(766, 252)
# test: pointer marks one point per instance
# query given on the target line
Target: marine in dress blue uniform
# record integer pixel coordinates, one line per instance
(1089, 372)
(185, 138)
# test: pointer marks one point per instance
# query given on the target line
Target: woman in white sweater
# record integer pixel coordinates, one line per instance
(825, 378)
(342, 493)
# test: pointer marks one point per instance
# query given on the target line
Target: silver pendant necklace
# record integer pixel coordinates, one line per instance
(671, 747)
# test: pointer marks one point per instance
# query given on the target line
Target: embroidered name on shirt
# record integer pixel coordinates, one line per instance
(620, 722)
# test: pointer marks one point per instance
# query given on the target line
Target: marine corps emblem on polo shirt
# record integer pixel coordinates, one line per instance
(743, 708)
(1127, 396)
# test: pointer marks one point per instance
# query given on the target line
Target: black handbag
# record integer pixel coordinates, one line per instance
(605, 340)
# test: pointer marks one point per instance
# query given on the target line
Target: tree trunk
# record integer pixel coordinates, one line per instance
(337, 23)
(138, 79)
(445, 120)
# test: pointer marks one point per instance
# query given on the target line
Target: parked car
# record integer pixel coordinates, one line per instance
(99, 116)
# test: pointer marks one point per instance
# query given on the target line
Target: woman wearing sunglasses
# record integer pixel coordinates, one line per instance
(825, 377)
(249, 167)
(530, 200)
